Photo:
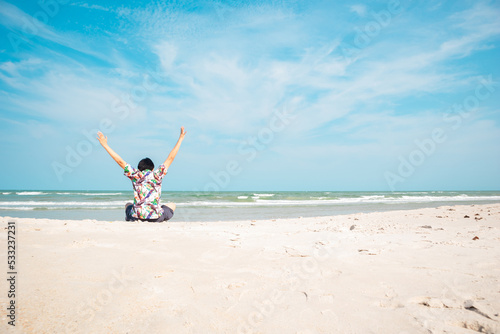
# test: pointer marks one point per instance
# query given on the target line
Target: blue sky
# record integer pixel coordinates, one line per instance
(274, 95)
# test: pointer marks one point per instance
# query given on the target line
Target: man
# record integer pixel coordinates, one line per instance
(147, 184)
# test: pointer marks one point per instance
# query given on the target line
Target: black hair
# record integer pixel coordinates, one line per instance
(146, 163)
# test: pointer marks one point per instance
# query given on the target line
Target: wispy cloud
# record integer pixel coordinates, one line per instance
(91, 6)
(26, 28)
(359, 9)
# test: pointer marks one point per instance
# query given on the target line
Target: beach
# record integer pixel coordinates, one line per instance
(426, 270)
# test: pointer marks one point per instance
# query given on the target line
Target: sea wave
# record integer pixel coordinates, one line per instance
(90, 194)
(19, 208)
(61, 204)
(35, 208)
(248, 201)
(375, 199)
(100, 194)
(30, 193)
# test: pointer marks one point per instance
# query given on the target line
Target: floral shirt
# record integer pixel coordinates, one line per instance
(147, 191)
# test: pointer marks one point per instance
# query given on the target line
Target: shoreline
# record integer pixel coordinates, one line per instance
(403, 271)
(186, 215)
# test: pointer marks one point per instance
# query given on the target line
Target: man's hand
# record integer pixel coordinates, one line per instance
(102, 139)
(104, 142)
(174, 151)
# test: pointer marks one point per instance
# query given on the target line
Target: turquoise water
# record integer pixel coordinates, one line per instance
(234, 205)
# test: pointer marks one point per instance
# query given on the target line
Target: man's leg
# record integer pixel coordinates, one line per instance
(128, 209)
(168, 212)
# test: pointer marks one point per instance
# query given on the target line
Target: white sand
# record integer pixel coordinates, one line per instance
(416, 271)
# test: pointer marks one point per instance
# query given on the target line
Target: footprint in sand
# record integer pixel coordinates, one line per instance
(84, 243)
(368, 252)
(478, 326)
(391, 298)
(294, 253)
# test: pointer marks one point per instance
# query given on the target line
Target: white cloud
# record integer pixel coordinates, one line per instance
(359, 9)
(167, 53)
(229, 95)
(25, 27)
(91, 6)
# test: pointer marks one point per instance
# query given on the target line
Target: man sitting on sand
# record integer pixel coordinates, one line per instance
(147, 184)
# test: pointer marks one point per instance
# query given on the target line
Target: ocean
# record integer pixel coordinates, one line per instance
(230, 205)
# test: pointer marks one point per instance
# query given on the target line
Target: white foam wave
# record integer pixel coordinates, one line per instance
(376, 199)
(90, 194)
(368, 197)
(22, 208)
(26, 208)
(61, 204)
(371, 199)
(30, 193)
(264, 195)
(100, 194)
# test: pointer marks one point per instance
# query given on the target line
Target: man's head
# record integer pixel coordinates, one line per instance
(146, 163)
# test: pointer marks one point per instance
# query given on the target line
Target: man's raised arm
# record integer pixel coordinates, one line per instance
(104, 142)
(174, 151)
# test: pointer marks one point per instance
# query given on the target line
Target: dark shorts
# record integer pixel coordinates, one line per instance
(167, 214)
